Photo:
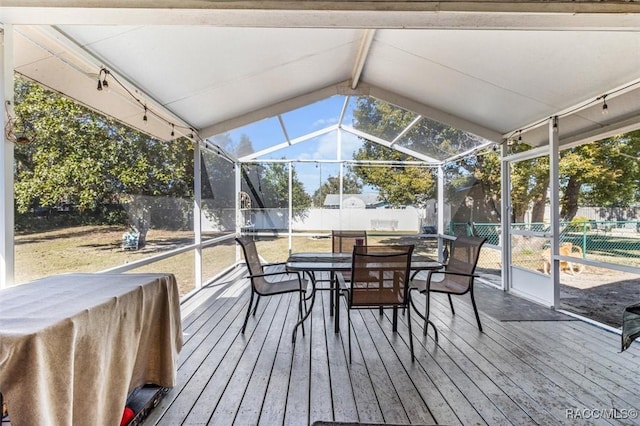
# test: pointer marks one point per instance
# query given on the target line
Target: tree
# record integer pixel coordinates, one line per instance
(79, 157)
(604, 173)
(276, 189)
(350, 185)
(406, 185)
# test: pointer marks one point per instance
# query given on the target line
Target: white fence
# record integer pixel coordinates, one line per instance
(405, 220)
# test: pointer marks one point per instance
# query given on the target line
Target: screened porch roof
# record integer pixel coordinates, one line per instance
(214, 69)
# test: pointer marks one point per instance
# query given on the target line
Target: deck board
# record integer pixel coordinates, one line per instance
(516, 372)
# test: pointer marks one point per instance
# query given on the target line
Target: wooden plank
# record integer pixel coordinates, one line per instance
(274, 402)
(320, 397)
(390, 346)
(233, 360)
(251, 375)
(342, 392)
(514, 373)
(561, 390)
(199, 356)
(297, 397)
(387, 396)
(509, 361)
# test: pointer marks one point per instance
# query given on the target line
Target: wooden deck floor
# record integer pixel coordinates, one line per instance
(516, 372)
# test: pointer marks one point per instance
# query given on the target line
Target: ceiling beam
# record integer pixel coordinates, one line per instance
(515, 15)
(361, 59)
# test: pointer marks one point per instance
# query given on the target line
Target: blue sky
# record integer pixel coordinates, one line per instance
(267, 133)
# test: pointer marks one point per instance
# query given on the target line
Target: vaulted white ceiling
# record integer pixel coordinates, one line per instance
(214, 69)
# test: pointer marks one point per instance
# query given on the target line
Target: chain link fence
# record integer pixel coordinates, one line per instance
(608, 241)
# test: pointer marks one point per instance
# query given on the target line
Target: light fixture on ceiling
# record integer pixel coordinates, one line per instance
(144, 117)
(605, 107)
(555, 124)
(173, 133)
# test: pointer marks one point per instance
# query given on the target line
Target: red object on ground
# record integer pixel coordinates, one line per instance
(127, 416)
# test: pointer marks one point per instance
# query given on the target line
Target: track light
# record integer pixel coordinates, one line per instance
(102, 81)
(605, 107)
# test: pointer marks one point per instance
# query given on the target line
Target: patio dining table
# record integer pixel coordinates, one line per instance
(311, 262)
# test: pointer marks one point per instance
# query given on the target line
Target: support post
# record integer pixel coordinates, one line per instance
(197, 213)
(505, 219)
(554, 190)
(290, 205)
(7, 219)
(440, 198)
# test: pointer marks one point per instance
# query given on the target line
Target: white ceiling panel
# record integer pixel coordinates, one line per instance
(210, 74)
(475, 71)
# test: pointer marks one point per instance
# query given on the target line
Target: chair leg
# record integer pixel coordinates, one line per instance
(255, 308)
(303, 299)
(302, 314)
(410, 335)
(395, 319)
(426, 314)
(349, 332)
(453, 312)
(475, 309)
(246, 318)
(426, 319)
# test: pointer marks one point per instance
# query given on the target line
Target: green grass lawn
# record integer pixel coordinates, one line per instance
(84, 249)
(96, 248)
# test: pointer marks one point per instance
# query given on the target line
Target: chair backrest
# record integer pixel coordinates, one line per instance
(344, 241)
(464, 254)
(251, 255)
(380, 275)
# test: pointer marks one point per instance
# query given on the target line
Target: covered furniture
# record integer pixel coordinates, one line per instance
(457, 277)
(73, 346)
(380, 278)
(265, 283)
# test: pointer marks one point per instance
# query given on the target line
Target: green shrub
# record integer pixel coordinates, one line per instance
(579, 224)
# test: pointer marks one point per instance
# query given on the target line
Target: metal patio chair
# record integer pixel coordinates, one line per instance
(456, 278)
(380, 278)
(272, 283)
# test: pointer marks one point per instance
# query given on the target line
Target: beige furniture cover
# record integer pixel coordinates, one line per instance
(73, 346)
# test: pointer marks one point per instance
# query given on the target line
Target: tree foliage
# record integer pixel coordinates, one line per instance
(350, 185)
(603, 173)
(400, 185)
(78, 157)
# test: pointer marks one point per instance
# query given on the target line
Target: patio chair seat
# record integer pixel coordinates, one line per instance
(446, 285)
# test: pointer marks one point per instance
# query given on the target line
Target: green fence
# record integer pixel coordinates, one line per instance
(606, 241)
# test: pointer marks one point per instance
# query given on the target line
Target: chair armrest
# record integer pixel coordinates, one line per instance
(342, 284)
(462, 274)
(270, 274)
